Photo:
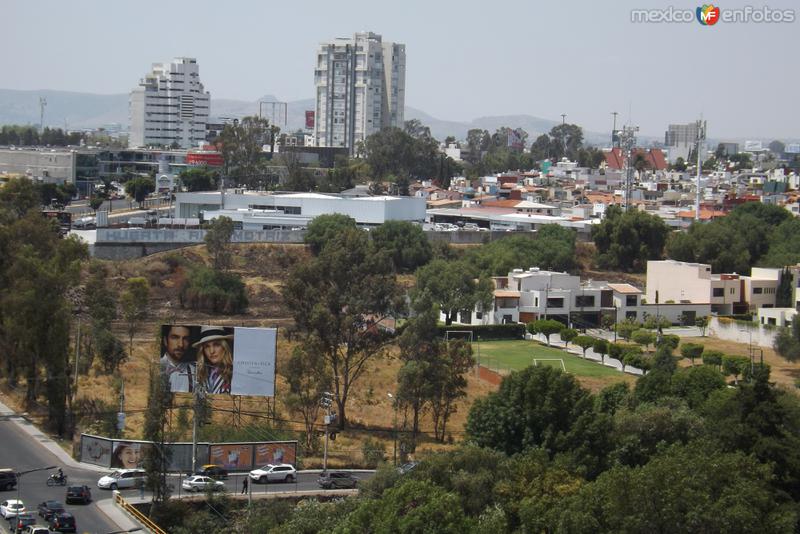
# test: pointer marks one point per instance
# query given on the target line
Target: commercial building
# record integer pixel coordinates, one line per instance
(170, 106)
(680, 139)
(40, 164)
(360, 89)
(255, 210)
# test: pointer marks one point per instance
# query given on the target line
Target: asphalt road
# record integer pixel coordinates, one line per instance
(81, 207)
(21, 452)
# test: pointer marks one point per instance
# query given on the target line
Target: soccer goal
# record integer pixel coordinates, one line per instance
(458, 334)
(537, 360)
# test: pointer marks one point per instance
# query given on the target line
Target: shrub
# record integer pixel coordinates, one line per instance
(218, 292)
(373, 452)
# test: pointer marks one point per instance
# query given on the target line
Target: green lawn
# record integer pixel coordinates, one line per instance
(513, 355)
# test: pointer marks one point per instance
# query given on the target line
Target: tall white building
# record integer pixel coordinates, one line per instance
(680, 139)
(360, 85)
(170, 106)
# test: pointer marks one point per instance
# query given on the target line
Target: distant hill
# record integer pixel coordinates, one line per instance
(86, 110)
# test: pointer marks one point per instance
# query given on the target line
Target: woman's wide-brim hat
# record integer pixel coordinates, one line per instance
(210, 333)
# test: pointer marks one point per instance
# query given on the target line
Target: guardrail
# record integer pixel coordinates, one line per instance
(139, 516)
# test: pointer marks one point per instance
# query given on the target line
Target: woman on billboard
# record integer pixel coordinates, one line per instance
(215, 359)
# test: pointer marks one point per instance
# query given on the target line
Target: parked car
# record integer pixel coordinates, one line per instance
(214, 471)
(274, 473)
(63, 522)
(79, 494)
(337, 480)
(8, 479)
(48, 508)
(122, 478)
(11, 508)
(36, 529)
(405, 468)
(21, 521)
(202, 483)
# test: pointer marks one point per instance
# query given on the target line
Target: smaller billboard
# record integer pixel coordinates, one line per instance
(236, 457)
(96, 450)
(310, 118)
(792, 148)
(129, 454)
(276, 453)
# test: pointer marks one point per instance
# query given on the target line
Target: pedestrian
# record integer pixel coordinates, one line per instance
(244, 486)
(141, 489)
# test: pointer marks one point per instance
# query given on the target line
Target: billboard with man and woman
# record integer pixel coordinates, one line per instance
(220, 360)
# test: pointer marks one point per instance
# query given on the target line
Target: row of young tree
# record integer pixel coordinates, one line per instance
(30, 136)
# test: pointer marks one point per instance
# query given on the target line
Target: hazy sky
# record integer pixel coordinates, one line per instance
(465, 59)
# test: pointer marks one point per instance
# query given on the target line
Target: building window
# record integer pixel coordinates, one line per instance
(630, 315)
(555, 302)
(718, 292)
(630, 300)
(732, 290)
(584, 300)
(757, 290)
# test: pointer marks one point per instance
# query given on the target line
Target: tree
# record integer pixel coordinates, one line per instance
(585, 342)
(448, 382)
(139, 188)
(419, 352)
(199, 179)
(565, 140)
(338, 300)
(567, 335)
(783, 293)
(405, 242)
(787, 342)
(545, 327)
(713, 357)
(242, 150)
(690, 351)
(325, 228)
(96, 202)
(393, 152)
(18, 196)
(218, 242)
(553, 248)
(600, 346)
(308, 378)
(627, 240)
(735, 366)
(134, 301)
(452, 287)
(695, 384)
(643, 337)
(702, 323)
(156, 420)
(626, 328)
(679, 165)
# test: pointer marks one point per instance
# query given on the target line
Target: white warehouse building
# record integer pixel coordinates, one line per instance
(256, 210)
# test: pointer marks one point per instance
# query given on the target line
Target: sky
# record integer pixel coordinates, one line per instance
(465, 59)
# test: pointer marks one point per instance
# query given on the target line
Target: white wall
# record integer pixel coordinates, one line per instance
(740, 333)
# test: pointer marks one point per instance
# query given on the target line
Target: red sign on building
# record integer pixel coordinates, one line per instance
(309, 120)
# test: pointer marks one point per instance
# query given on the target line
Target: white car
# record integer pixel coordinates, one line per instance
(122, 478)
(11, 508)
(201, 483)
(274, 473)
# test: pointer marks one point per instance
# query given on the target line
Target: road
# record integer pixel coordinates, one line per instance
(81, 208)
(21, 452)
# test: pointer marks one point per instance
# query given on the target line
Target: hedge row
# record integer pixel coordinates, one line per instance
(485, 331)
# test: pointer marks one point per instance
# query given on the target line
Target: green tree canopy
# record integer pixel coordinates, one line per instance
(552, 248)
(199, 179)
(218, 242)
(627, 240)
(139, 188)
(324, 228)
(242, 150)
(405, 242)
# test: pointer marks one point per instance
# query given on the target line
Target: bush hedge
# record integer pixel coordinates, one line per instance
(487, 331)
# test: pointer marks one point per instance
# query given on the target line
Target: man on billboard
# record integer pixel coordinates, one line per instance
(174, 362)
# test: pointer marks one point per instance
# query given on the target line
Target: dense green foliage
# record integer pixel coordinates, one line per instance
(199, 179)
(752, 234)
(627, 240)
(29, 136)
(405, 242)
(552, 248)
(325, 228)
(206, 289)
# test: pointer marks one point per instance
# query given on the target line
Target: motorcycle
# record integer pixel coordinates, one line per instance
(55, 480)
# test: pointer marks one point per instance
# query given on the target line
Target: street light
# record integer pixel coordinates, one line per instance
(394, 447)
(19, 476)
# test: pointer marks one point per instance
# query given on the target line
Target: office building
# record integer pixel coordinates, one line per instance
(360, 89)
(170, 107)
(680, 140)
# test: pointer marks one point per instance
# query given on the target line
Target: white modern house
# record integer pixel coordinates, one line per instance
(360, 89)
(170, 106)
(257, 210)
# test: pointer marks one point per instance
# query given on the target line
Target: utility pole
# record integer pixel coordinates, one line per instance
(701, 136)
(199, 398)
(326, 402)
(42, 104)
(627, 141)
(614, 128)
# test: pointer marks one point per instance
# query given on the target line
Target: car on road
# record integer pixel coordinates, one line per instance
(8, 479)
(63, 522)
(11, 508)
(214, 471)
(36, 529)
(337, 480)
(274, 473)
(202, 483)
(79, 494)
(48, 508)
(122, 478)
(21, 521)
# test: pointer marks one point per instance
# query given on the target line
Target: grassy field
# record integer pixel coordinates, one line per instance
(513, 355)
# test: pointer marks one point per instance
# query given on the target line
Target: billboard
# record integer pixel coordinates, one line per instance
(96, 450)
(236, 456)
(310, 120)
(221, 360)
(792, 148)
(275, 453)
(129, 454)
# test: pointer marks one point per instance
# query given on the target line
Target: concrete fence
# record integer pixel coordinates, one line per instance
(742, 332)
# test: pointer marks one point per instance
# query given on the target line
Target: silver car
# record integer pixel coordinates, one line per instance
(202, 483)
(122, 478)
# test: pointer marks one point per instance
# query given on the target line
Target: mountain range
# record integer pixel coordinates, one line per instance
(86, 110)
